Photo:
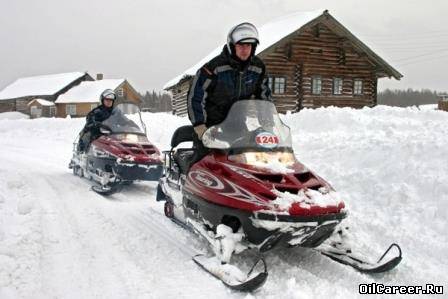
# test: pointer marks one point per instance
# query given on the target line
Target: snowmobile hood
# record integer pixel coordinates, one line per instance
(298, 192)
(135, 149)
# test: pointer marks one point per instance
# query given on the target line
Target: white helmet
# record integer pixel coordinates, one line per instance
(108, 94)
(244, 32)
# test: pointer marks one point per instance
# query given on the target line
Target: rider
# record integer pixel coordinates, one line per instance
(235, 74)
(94, 118)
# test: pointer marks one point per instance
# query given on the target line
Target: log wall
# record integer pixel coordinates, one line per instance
(443, 105)
(7, 105)
(304, 55)
(179, 98)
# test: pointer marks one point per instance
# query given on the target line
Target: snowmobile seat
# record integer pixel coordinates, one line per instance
(183, 156)
(182, 134)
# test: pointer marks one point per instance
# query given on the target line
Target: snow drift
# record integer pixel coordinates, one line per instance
(59, 239)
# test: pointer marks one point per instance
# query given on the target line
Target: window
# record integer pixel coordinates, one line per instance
(337, 85)
(35, 111)
(279, 85)
(70, 109)
(357, 86)
(120, 92)
(93, 106)
(316, 85)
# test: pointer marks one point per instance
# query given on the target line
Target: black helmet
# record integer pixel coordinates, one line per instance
(108, 94)
(242, 33)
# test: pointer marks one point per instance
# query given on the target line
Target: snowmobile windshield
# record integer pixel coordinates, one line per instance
(126, 118)
(252, 125)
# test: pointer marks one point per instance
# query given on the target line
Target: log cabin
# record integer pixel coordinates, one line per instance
(17, 95)
(312, 60)
(41, 108)
(80, 100)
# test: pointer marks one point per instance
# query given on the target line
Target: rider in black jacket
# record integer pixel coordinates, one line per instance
(236, 74)
(94, 119)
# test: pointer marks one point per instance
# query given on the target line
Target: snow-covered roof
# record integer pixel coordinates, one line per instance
(88, 91)
(39, 85)
(269, 34)
(42, 102)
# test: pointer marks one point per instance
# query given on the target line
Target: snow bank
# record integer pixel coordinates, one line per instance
(58, 239)
(13, 115)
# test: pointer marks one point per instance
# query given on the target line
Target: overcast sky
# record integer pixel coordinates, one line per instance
(150, 42)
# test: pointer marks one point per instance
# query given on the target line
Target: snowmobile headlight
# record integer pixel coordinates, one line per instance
(264, 158)
(131, 138)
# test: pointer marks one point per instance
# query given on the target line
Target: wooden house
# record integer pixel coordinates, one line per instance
(41, 108)
(80, 100)
(17, 96)
(443, 102)
(312, 60)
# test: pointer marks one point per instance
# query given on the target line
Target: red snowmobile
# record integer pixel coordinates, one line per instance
(250, 192)
(121, 155)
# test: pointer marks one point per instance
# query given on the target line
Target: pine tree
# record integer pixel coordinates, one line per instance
(409, 97)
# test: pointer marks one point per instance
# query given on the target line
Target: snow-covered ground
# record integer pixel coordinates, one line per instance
(13, 115)
(58, 239)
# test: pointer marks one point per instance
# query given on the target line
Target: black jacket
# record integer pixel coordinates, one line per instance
(95, 117)
(221, 82)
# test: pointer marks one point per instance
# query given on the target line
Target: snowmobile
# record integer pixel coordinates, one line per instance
(121, 155)
(250, 194)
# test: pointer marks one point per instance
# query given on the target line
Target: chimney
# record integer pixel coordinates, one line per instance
(99, 77)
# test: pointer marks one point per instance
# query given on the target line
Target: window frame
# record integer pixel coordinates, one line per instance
(273, 81)
(277, 83)
(338, 91)
(361, 90)
(70, 108)
(36, 111)
(316, 85)
(52, 111)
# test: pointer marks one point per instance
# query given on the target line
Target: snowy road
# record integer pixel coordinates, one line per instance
(58, 239)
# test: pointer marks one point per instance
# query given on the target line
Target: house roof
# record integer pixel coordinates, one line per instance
(42, 102)
(39, 85)
(88, 91)
(280, 28)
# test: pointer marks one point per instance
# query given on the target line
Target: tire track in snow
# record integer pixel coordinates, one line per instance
(133, 231)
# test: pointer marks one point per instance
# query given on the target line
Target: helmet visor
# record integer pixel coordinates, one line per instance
(109, 96)
(244, 33)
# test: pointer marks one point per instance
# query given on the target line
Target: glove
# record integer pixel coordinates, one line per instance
(200, 130)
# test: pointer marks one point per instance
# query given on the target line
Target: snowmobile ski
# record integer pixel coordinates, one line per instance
(107, 189)
(232, 276)
(347, 258)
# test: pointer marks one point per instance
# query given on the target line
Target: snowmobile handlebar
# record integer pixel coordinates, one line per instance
(104, 129)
